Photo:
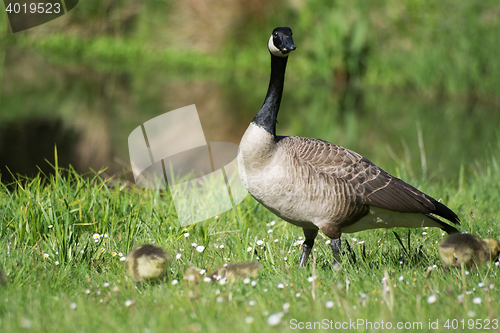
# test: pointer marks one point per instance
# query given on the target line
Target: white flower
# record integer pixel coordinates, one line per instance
(401, 278)
(249, 249)
(194, 244)
(87, 291)
(329, 304)
(46, 255)
(114, 254)
(424, 233)
(120, 254)
(207, 279)
(270, 231)
(73, 305)
(203, 271)
(96, 236)
(276, 240)
(254, 283)
(186, 234)
(471, 313)
(281, 285)
(174, 282)
(310, 279)
(123, 258)
(476, 300)
(178, 256)
(249, 320)
(105, 284)
(200, 248)
(246, 280)
(297, 295)
(275, 318)
(286, 307)
(251, 303)
(221, 246)
(57, 263)
(431, 299)
(129, 302)
(480, 284)
(328, 242)
(51, 226)
(219, 299)
(260, 242)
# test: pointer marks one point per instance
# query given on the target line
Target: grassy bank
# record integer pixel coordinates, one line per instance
(62, 238)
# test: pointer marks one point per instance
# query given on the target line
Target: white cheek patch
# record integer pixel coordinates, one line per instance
(273, 49)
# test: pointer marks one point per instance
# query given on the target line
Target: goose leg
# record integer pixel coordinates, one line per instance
(307, 245)
(335, 245)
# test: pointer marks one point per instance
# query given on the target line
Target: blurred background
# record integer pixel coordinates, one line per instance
(412, 85)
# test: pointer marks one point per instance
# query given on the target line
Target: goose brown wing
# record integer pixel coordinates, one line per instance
(376, 186)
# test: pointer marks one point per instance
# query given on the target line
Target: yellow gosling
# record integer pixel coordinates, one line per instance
(468, 250)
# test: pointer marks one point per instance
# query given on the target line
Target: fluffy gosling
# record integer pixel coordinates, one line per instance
(468, 250)
(147, 262)
(233, 272)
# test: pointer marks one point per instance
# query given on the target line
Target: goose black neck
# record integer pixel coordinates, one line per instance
(268, 114)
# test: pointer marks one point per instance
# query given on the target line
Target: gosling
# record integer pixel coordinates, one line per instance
(147, 262)
(469, 250)
(233, 272)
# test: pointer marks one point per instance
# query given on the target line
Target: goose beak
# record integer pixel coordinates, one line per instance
(287, 46)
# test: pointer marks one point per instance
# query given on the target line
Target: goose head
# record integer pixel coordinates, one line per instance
(281, 43)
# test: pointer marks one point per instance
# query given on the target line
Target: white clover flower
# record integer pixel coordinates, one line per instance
(431, 299)
(200, 248)
(275, 318)
(286, 307)
(329, 304)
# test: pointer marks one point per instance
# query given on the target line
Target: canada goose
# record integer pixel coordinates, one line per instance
(147, 262)
(317, 185)
(468, 250)
(233, 272)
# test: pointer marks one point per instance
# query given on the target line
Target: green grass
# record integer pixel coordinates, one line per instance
(53, 263)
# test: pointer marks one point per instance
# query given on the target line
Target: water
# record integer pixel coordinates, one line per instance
(89, 114)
